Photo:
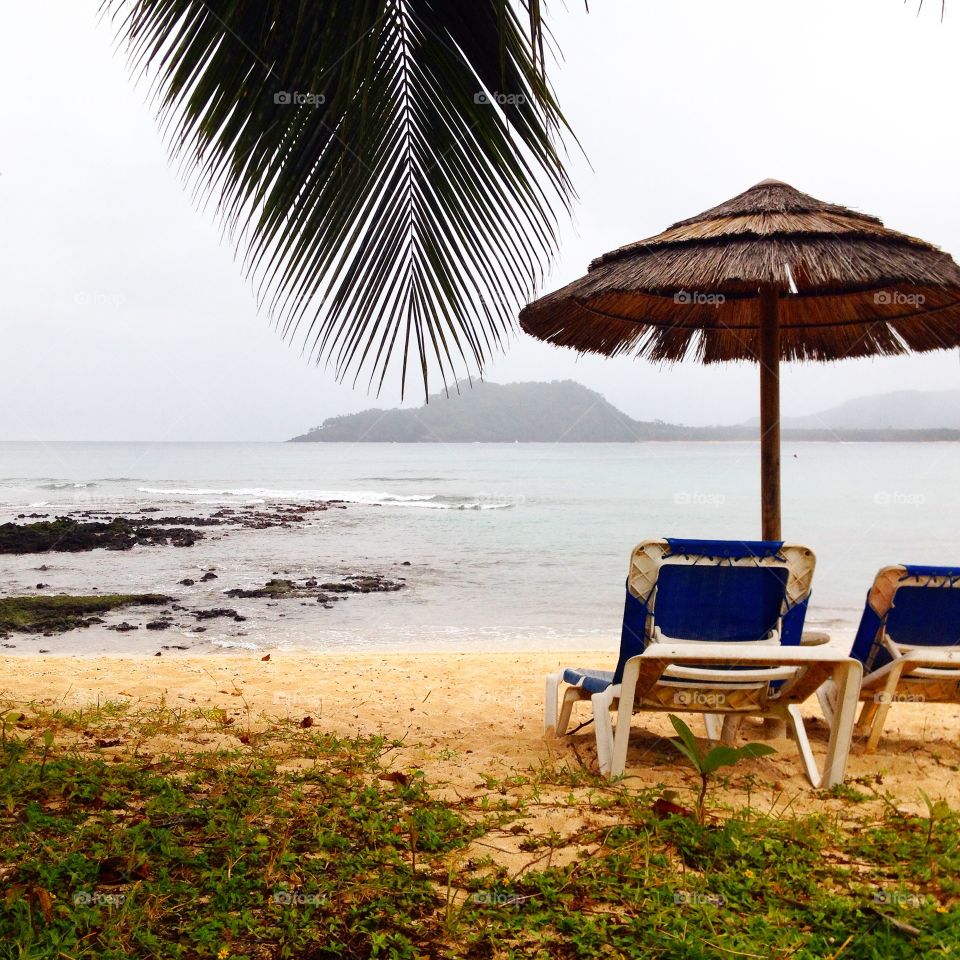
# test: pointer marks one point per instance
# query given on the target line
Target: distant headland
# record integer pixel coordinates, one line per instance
(563, 411)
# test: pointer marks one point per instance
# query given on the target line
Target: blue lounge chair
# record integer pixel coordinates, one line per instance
(908, 642)
(713, 627)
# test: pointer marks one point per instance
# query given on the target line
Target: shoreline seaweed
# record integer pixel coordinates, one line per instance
(58, 614)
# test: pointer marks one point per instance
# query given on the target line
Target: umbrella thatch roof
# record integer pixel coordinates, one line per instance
(849, 287)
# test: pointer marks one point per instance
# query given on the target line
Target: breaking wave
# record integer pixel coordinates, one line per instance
(370, 498)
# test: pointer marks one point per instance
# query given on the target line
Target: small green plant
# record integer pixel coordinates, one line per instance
(936, 810)
(48, 736)
(843, 791)
(708, 763)
(8, 718)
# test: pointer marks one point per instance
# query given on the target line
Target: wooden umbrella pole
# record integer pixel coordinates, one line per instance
(770, 413)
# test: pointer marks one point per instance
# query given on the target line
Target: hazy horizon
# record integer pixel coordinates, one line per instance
(750, 420)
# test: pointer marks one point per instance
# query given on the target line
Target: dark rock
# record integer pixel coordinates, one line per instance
(208, 576)
(51, 614)
(216, 612)
(406, 563)
(188, 521)
(71, 536)
(187, 582)
(361, 583)
(123, 627)
(40, 586)
(272, 588)
(340, 587)
(159, 625)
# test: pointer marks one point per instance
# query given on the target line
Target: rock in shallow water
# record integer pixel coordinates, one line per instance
(218, 612)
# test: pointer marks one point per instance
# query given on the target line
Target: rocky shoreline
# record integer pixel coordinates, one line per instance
(91, 530)
(48, 614)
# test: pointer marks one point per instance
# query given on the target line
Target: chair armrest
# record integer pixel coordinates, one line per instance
(724, 652)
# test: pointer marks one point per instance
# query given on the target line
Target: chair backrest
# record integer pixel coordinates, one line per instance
(715, 590)
(911, 605)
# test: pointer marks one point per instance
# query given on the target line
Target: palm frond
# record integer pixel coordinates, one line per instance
(391, 169)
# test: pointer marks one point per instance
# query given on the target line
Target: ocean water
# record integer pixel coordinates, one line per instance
(507, 545)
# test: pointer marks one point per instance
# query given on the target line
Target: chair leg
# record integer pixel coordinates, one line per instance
(625, 694)
(550, 703)
(847, 677)
(570, 696)
(865, 720)
(602, 702)
(731, 727)
(803, 745)
(827, 695)
(883, 707)
(876, 728)
(713, 722)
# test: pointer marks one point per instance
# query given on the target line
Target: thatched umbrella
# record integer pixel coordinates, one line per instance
(771, 275)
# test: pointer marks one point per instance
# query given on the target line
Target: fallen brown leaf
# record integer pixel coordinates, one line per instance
(46, 903)
(666, 808)
(395, 776)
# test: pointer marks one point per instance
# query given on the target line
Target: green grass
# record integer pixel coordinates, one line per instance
(55, 614)
(294, 843)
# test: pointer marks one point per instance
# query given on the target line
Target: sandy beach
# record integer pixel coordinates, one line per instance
(464, 716)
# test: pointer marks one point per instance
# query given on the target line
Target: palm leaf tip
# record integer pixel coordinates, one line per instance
(391, 169)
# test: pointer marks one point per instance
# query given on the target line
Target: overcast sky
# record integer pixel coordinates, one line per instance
(125, 315)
